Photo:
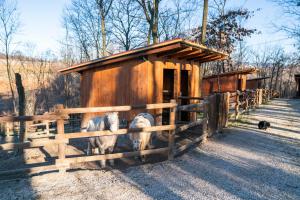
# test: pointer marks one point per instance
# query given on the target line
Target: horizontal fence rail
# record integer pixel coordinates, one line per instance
(211, 119)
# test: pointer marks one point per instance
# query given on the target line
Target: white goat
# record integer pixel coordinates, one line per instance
(140, 141)
(110, 121)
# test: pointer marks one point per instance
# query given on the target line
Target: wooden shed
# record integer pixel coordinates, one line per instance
(226, 82)
(152, 74)
(297, 79)
(257, 83)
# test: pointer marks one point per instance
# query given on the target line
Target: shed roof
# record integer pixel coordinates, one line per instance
(244, 71)
(177, 48)
(259, 78)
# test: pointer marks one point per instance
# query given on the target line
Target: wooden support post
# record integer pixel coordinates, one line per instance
(205, 122)
(172, 132)
(178, 117)
(47, 127)
(60, 136)
(237, 105)
(226, 110)
(247, 102)
(260, 97)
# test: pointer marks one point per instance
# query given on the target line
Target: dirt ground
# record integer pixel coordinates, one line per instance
(241, 163)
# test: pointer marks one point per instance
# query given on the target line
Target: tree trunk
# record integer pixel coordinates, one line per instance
(149, 36)
(103, 33)
(155, 22)
(21, 95)
(204, 22)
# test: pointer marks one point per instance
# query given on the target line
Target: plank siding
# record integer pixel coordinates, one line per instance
(136, 81)
(227, 84)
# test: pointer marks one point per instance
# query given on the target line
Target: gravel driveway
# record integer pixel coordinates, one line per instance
(241, 163)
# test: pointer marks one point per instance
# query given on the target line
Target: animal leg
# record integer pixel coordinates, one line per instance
(102, 162)
(89, 149)
(112, 161)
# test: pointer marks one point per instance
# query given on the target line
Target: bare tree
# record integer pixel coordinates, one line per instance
(174, 17)
(104, 7)
(151, 11)
(9, 26)
(126, 23)
(292, 9)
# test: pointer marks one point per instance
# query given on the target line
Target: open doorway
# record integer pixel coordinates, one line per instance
(168, 92)
(239, 87)
(184, 91)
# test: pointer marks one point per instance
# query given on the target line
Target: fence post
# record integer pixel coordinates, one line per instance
(172, 132)
(60, 137)
(237, 104)
(227, 107)
(205, 122)
(247, 101)
(47, 127)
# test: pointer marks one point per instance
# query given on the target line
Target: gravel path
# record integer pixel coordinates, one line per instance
(242, 163)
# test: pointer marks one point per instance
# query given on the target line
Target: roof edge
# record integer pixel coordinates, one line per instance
(244, 71)
(137, 52)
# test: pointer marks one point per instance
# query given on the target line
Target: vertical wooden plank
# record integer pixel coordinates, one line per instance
(172, 132)
(158, 88)
(47, 127)
(227, 105)
(60, 136)
(205, 122)
(237, 104)
(212, 114)
(260, 96)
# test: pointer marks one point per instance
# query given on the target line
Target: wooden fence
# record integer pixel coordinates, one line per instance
(61, 139)
(215, 112)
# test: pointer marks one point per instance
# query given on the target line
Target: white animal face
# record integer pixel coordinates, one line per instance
(113, 120)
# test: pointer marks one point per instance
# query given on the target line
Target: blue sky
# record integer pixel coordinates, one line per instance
(41, 23)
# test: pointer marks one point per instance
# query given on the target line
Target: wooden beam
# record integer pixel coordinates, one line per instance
(191, 98)
(31, 118)
(189, 107)
(171, 52)
(183, 52)
(116, 108)
(118, 132)
(201, 56)
(193, 54)
(210, 59)
(189, 145)
(187, 126)
(124, 58)
(34, 144)
(113, 156)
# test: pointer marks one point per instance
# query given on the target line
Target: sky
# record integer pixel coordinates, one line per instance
(41, 22)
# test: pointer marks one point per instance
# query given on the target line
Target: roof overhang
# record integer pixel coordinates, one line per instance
(259, 78)
(238, 72)
(177, 48)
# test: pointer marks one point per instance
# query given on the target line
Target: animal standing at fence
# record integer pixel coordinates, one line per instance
(264, 125)
(141, 140)
(109, 121)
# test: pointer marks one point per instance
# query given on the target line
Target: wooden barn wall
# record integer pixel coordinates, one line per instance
(252, 84)
(121, 84)
(133, 82)
(227, 84)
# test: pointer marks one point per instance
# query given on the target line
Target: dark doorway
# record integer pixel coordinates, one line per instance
(184, 91)
(168, 92)
(239, 85)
